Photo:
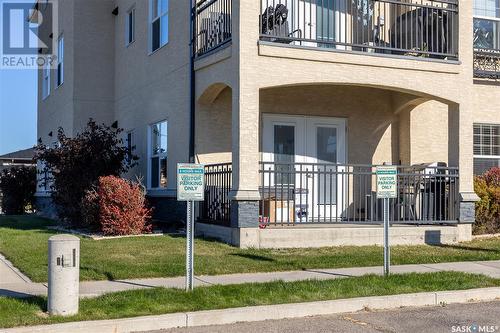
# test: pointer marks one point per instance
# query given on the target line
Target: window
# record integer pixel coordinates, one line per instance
(130, 144)
(486, 147)
(487, 24)
(158, 23)
(130, 27)
(158, 155)
(60, 61)
(46, 80)
(284, 153)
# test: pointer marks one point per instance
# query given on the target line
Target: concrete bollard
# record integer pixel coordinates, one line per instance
(64, 275)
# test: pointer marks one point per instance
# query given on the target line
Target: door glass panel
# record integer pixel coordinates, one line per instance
(326, 145)
(284, 153)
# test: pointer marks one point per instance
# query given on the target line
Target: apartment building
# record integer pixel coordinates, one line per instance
(291, 105)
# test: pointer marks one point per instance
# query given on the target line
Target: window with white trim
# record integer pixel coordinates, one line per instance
(486, 147)
(158, 152)
(130, 27)
(158, 23)
(60, 61)
(487, 24)
(46, 80)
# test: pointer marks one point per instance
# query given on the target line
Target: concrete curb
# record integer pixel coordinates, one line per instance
(266, 312)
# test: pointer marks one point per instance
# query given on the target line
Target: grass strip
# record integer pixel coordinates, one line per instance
(23, 240)
(23, 312)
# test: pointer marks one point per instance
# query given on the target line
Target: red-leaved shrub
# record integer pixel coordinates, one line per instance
(122, 207)
(487, 188)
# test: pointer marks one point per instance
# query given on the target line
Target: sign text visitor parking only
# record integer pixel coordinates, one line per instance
(387, 182)
(190, 182)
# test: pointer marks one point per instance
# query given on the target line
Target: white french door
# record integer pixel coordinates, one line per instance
(308, 153)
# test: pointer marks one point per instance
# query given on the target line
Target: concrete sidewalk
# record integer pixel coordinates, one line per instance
(19, 287)
(10, 274)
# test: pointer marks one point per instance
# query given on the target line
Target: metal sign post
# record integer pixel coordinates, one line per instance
(190, 188)
(190, 246)
(387, 249)
(387, 188)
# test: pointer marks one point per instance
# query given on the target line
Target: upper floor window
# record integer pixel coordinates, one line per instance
(487, 24)
(130, 27)
(158, 23)
(46, 80)
(486, 147)
(158, 155)
(60, 61)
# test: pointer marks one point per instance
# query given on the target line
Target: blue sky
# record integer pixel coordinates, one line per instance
(18, 102)
(18, 98)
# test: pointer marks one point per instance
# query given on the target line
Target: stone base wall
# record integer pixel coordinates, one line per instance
(168, 209)
(341, 235)
(165, 209)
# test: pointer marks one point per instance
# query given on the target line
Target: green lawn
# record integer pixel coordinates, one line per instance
(15, 312)
(23, 240)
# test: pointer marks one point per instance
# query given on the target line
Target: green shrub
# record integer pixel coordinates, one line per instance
(18, 187)
(487, 188)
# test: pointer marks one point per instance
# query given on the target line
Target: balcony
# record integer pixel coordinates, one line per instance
(411, 28)
(212, 25)
(487, 64)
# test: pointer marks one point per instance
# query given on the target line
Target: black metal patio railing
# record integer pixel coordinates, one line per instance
(304, 193)
(329, 193)
(418, 28)
(218, 183)
(487, 64)
(212, 25)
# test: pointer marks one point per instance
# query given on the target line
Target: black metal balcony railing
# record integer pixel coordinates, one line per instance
(212, 26)
(487, 64)
(419, 28)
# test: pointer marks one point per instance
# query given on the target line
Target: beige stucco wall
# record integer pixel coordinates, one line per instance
(57, 110)
(213, 129)
(429, 133)
(486, 102)
(152, 87)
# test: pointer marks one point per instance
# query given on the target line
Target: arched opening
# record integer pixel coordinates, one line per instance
(213, 125)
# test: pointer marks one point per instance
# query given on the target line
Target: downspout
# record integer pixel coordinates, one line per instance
(192, 88)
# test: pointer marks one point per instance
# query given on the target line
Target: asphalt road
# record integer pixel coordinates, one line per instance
(467, 318)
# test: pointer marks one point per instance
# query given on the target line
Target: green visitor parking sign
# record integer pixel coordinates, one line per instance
(190, 182)
(387, 182)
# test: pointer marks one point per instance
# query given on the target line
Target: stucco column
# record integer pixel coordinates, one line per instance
(245, 149)
(461, 118)
(461, 150)
(245, 118)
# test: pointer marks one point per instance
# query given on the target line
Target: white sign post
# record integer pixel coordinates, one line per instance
(387, 188)
(190, 188)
